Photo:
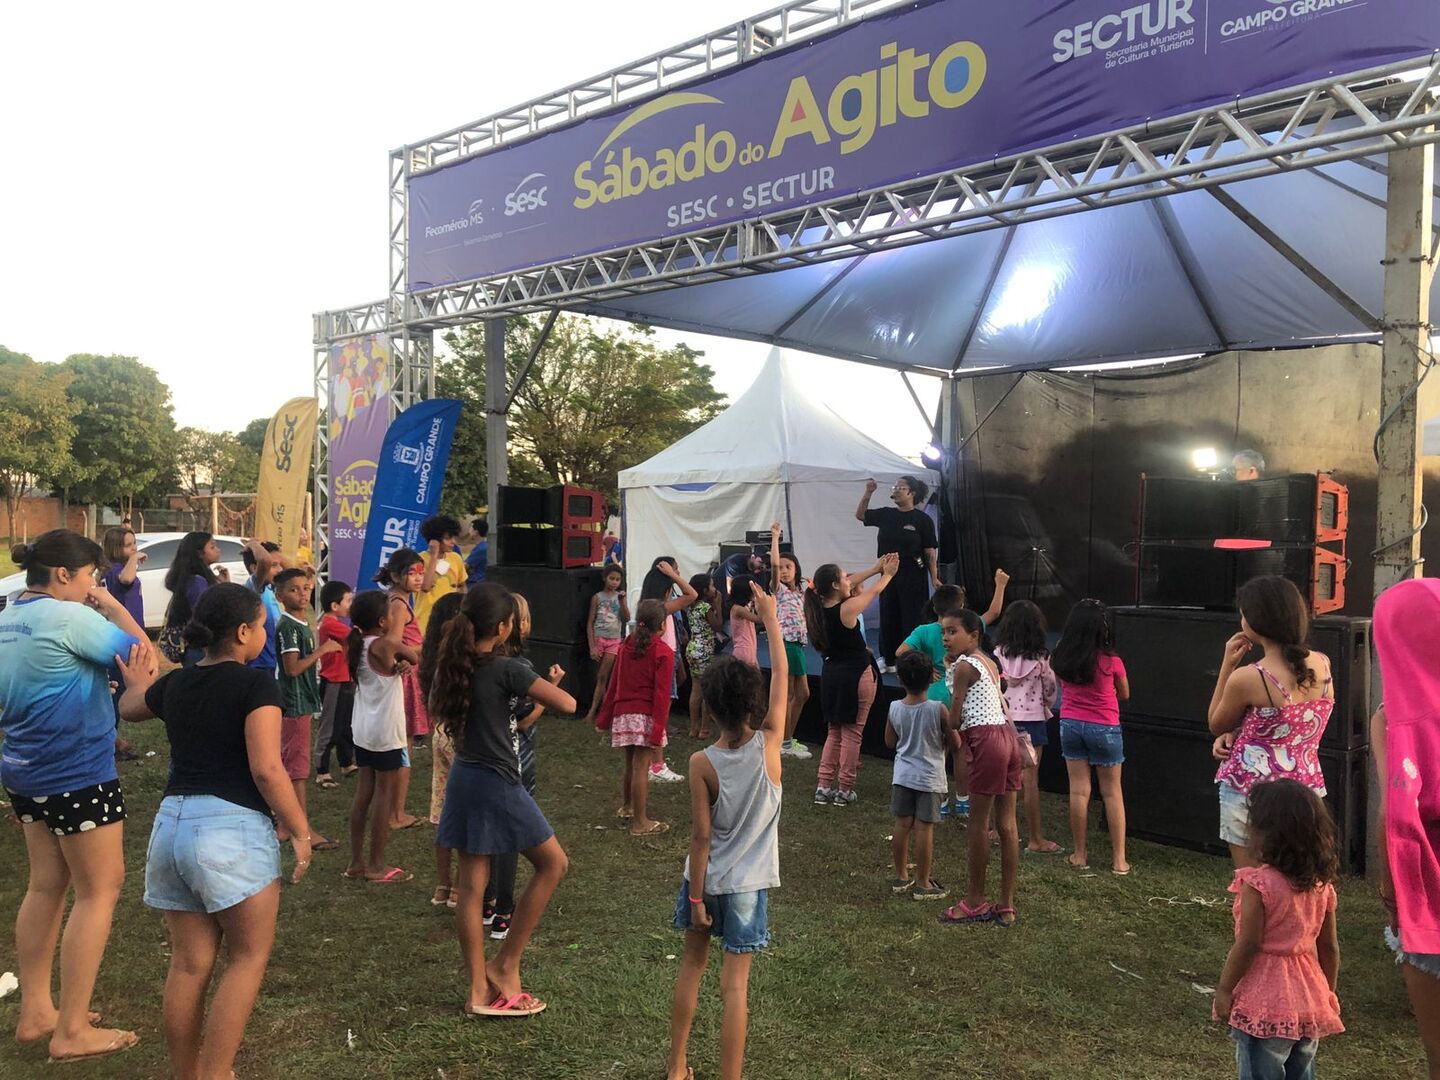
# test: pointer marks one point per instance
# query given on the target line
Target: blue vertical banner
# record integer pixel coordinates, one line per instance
(408, 481)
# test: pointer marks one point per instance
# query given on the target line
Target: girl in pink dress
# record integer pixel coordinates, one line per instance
(1277, 991)
(1405, 743)
(402, 575)
(743, 620)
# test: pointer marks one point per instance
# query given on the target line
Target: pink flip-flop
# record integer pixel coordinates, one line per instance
(393, 876)
(964, 913)
(522, 1004)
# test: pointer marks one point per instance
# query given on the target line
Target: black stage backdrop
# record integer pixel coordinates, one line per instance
(1049, 487)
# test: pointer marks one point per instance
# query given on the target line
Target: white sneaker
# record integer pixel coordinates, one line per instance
(665, 775)
(796, 749)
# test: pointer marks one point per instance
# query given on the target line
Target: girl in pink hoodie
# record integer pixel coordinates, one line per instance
(1030, 691)
(1405, 739)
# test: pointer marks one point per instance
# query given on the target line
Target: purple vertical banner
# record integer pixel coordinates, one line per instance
(358, 415)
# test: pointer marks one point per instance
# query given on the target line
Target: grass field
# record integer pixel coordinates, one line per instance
(1095, 981)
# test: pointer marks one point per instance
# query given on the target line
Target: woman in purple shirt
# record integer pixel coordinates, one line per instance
(122, 581)
(187, 579)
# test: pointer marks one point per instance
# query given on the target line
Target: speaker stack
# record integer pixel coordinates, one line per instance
(1201, 539)
(1173, 656)
(547, 546)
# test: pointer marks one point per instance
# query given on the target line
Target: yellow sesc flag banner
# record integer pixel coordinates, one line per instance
(285, 473)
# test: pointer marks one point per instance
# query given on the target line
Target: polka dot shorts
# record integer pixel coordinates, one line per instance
(72, 812)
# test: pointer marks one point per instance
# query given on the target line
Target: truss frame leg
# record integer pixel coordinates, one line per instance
(497, 470)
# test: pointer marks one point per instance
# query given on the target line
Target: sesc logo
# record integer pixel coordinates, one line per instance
(526, 196)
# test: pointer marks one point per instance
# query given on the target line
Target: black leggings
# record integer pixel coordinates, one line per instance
(902, 607)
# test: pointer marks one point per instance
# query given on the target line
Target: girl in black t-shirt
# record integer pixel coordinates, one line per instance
(213, 865)
(487, 809)
(906, 531)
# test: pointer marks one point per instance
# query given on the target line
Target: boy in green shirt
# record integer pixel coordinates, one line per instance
(299, 684)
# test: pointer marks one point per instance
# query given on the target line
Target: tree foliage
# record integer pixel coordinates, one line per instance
(214, 462)
(600, 398)
(252, 436)
(124, 431)
(36, 424)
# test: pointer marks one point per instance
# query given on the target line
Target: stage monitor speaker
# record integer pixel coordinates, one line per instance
(525, 545)
(1187, 508)
(1171, 797)
(560, 505)
(573, 658)
(1208, 577)
(1173, 656)
(1300, 509)
(559, 599)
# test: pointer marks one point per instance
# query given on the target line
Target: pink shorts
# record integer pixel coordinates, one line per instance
(295, 746)
(609, 646)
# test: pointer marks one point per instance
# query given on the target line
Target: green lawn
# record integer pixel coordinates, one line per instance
(856, 984)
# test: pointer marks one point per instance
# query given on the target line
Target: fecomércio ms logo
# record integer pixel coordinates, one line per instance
(1275, 14)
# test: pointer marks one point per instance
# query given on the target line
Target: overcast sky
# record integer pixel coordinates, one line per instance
(188, 183)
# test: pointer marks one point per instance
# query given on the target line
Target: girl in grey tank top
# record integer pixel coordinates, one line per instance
(734, 855)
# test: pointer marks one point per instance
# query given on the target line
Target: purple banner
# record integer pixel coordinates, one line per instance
(358, 414)
(930, 87)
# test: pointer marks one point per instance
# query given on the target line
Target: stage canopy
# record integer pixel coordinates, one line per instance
(774, 455)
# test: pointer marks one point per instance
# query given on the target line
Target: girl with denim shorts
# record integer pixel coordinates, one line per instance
(1092, 685)
(1405, 741)
(1267, 717)
(734, 855)
(213, 865)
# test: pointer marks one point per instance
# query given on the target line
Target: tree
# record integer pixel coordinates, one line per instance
(124, 432)
(599, 398)
(252, 436)
(36, 425)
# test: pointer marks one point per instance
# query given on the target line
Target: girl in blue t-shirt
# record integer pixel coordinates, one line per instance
(60, 639)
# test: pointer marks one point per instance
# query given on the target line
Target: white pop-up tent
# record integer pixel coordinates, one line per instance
(774, 455)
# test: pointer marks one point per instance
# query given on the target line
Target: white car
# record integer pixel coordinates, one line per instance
(159, 549)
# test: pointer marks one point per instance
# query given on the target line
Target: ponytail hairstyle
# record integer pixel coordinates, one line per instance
(217, 615)
(1275, 610)
(734, 692)
(53, 550)
(825, 581)
(649, 618)
(1085, 637)
(702, 584)
(397, 566)
(742, 589)
(656, 585)
(1021, 632)
(114, 543)
(943, 601)
(445, 609)
(919, 490)
(189, 562)
(366, 612)
(1291, 830)
(483, 613)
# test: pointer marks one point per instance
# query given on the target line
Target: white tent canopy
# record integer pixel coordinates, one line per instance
(774, 455)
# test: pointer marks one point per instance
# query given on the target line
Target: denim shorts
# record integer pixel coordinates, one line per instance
(1038, 730)
(1428, 963)
(740, 920)
(1099, 744)
(208, 854)
(1273, 1059)
(1234, 815)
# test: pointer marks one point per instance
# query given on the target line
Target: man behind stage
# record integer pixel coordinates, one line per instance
(1248, 465)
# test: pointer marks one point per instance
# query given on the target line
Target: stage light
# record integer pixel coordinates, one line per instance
(932, 454)
(1204, 459)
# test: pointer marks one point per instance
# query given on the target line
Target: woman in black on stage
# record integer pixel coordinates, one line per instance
(907, 531)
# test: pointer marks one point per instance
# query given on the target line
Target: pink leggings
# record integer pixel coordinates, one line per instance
(842, 744)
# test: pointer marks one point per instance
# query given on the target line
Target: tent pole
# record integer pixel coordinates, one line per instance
(1407, 398)
(496, 461)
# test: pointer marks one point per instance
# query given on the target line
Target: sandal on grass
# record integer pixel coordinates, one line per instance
(123, 1040)
(320, 842)
(1004, 916)
(393, 876)
(1050, 847)
(326, 781)
(442, 896)
(655, 829)
(522, 1004)
(964, 913)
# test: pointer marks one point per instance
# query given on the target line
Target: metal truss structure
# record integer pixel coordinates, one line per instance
(1356, 115)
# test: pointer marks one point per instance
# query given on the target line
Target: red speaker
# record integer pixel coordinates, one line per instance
(561, 505)
(525, 545)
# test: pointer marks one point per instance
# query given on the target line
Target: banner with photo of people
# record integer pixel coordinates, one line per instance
(359, 413)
